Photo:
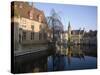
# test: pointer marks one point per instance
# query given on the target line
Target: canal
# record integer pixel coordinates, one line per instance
(69, 58)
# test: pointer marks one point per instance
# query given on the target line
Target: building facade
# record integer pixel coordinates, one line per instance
(30, 27)
(80, 36)
(73, 36)
(90, 38)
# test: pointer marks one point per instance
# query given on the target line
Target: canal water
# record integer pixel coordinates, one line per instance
(69, 58)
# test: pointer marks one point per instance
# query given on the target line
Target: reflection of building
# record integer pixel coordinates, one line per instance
(74, 51)
(29, 23)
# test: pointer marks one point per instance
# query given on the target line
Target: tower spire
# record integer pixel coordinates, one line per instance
(69, 24)
(69, 32)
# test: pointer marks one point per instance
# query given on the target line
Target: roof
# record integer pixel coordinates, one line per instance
(23, 9)
(76, 32)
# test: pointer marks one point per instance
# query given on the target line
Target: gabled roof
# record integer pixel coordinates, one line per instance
(23, 10)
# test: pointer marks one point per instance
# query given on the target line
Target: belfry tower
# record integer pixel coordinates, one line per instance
(69, 33)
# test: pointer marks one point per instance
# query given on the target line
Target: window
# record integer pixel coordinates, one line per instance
(23, 21)
(32, 27)
(20, 28)
(40, 27)
(32, 35)
(31, 14)
(44, 35)
(40, 36)
(39, 18)
(19, 38)
(24, 35)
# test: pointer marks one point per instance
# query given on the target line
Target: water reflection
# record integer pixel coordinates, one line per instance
(38, 65)
(73, 57)
(70, 58)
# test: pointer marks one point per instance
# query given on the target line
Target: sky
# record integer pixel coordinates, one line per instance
(79, 16)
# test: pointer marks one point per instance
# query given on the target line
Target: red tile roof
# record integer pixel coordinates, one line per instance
(23, 9)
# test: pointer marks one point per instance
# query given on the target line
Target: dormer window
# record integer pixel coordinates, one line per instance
(31, 14)
(40, 18)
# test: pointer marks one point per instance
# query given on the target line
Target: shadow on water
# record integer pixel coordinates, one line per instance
(71, 58)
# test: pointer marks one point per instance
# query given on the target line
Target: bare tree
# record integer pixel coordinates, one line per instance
(54, 22)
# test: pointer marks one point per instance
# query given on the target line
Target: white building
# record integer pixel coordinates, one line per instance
(30, 27)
